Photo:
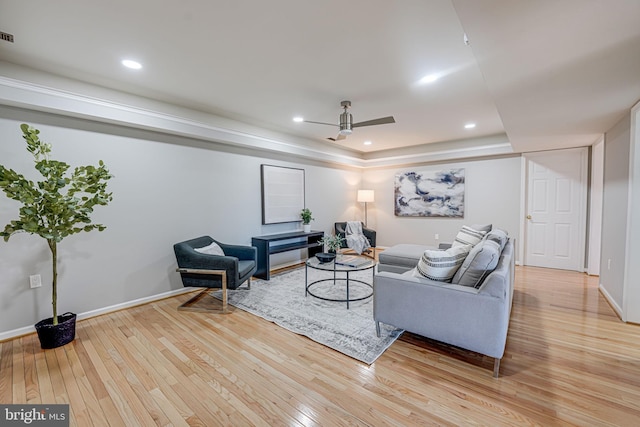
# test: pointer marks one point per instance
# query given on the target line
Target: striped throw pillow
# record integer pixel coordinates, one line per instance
(468, 236)
(441, 265)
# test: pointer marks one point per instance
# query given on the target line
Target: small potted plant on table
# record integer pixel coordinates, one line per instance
(305, 214)
(332, 243)
(53, 214)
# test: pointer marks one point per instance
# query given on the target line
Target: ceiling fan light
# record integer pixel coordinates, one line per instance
(345, 132)
(346, 120)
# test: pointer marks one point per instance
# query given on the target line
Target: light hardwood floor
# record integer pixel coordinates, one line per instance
(569, 361)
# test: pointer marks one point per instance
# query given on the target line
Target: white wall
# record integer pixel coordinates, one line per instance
(614, 213)
(166, 189)
(632, 273)
(492, 195)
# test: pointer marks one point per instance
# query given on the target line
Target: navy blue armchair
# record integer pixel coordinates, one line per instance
(228, 271)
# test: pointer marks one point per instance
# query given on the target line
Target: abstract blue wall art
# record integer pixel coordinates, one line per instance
(430, 193)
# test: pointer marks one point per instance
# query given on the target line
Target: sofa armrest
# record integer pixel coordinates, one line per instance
(453, 314)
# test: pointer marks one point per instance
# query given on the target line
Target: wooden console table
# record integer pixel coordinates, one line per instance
(268, 245)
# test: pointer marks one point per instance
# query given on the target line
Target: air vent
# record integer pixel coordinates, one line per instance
(6, 37)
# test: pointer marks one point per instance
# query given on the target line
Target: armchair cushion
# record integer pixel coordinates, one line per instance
(246, 267)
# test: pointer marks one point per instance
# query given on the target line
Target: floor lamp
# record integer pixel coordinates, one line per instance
(365, 196)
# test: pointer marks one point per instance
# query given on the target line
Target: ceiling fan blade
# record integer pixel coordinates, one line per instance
(338, 138)
(320, 123)
(380, 121)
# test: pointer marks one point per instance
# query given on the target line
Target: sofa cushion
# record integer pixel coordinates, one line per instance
(468, 236)
(480, 261)
(212, 249)
(441, 265)
(403, 255)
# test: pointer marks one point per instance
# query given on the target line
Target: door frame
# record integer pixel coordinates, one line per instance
(596, 194)
(583, 152)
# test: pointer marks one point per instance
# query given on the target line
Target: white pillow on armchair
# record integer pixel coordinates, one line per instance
(212, 249)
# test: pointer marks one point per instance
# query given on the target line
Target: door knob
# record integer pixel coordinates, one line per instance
(528, 216)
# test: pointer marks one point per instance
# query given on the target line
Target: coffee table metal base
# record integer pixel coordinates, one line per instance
(347, 299)
(335, 279)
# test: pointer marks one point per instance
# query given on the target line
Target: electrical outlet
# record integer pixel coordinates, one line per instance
(35, 281)
(609, 264)
(437, 236)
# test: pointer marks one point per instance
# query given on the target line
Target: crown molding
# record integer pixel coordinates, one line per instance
(28, 95)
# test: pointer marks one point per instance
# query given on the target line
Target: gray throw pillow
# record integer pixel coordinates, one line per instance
(499, 236)
(481, 261)
(482, 227)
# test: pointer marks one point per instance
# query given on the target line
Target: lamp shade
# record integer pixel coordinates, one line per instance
(365, 196)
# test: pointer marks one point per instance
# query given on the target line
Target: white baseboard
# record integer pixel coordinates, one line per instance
(100, 311)
(611, 302)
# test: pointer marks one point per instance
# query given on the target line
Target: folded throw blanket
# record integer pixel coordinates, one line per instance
(355, 239)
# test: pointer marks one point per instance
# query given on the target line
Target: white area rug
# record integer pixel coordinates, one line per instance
(282, 300)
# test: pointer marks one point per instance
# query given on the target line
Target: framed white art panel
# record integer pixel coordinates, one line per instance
(282, 194)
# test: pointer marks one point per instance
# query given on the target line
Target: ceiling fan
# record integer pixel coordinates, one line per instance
(346, 122)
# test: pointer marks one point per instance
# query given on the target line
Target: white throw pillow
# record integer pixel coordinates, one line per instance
(468, 236)
(212, 249)
(441, 265)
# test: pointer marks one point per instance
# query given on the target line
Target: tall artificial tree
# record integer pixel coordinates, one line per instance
(59, 205)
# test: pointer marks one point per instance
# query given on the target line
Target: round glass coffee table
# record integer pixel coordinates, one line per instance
(342, 264)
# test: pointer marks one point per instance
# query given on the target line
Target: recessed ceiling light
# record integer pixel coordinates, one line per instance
(429, 78)
(134, 65)
(367, 143)
(298, 119)
(469, 125)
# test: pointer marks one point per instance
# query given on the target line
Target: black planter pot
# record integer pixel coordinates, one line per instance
(56, 336)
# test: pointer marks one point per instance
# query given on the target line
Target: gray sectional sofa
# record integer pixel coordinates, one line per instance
(474, 317)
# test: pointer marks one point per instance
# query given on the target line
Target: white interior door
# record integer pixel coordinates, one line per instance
(556, 209)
